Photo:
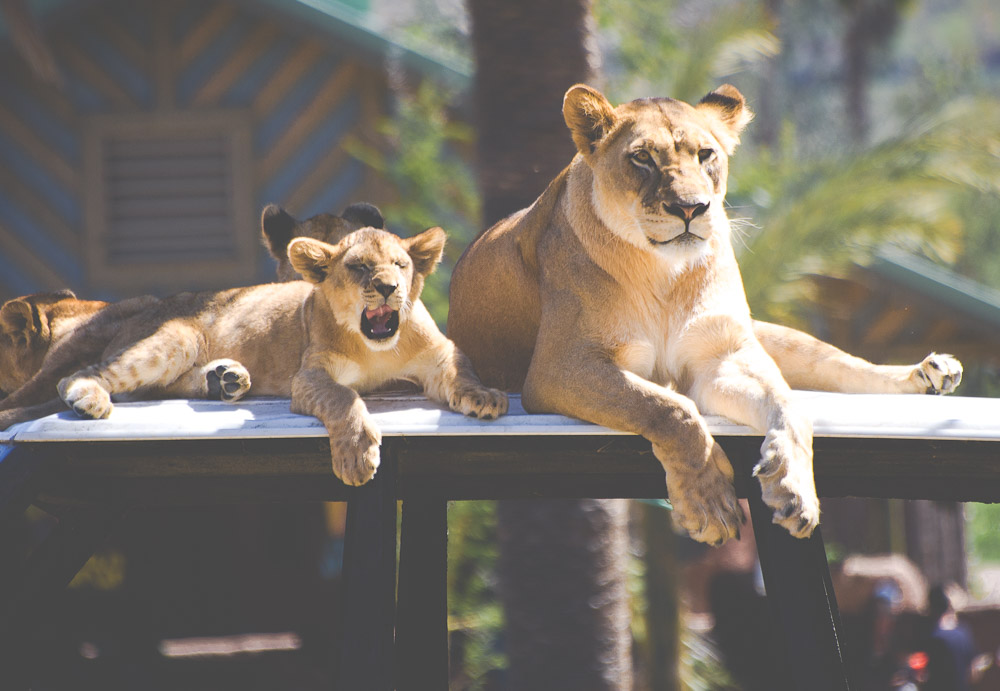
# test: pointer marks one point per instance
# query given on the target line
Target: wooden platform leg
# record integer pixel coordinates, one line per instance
(422, 610)
(804, 614)
(366, 653)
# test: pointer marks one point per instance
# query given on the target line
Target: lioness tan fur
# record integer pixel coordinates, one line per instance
(616, 298)
(47, 336)
(355, 324)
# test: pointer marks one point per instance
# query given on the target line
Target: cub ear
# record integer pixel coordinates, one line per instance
(17, 319)
(728, 108)
(588, 115)
(277, 227)
(311, 258)
(364, 215)
(426, 249)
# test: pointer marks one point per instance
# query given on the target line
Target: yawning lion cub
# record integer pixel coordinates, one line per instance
(355, 324)
(616, 298)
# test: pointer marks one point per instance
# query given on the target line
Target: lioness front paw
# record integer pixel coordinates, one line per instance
(226, 380)
(481, 402)
(938, 373)
(704, 499)
(786, 480)
(86, 397)
(356, 456)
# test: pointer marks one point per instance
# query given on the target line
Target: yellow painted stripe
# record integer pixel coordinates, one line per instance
(206, 32)
(38, 209)
(297, 64)
(12, 248)
(39, 150)
(95, 76)
(318, 178)
(311, 117)
(249, 50)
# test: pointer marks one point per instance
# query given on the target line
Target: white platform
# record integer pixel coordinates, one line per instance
(834, 415)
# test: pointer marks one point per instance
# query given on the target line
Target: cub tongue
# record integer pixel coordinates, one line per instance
(378, 318)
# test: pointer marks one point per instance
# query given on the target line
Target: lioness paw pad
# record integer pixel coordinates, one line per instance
(939, 373)
(353, 464)
(87, 399)
(226, 380)
(485, 403)
(787, 486)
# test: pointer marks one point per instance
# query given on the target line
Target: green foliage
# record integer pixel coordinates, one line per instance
(434, 185)
(983, 532)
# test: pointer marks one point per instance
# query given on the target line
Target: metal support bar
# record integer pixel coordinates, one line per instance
(805, 618)
(422, 609)
(366, 650)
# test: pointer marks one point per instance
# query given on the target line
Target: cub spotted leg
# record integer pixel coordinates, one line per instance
(699, 476)
(354, 436)
(153, 362)
(809, 363)
(448, 378)
(734, 377)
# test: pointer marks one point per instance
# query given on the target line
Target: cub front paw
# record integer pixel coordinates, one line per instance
(938, 373)
(704, 498)
(356, 456)
(481, 402)
(86, 397)
(786, 480)
(226, 380)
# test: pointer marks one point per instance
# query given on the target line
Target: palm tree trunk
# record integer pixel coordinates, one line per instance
(562, 563)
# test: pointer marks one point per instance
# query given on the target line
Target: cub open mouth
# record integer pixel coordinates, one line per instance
(380, 323)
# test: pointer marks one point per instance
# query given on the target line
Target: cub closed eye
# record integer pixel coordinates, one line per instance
(705, 155)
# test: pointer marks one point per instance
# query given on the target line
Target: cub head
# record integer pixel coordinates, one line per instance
(371, 278)
(27, 326)
(278, 227)
(659, 166)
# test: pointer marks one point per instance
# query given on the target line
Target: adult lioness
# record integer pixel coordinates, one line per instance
(616, 298)
(356, 323)
(47, 336)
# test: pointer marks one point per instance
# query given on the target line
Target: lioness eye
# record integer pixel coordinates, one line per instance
(706, 155)
(400, 264)
(642, 156)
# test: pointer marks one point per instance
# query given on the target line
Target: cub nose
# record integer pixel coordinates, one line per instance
(386, 289)
(686, 212)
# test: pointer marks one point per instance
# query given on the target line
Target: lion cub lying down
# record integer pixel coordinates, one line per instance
(355, 324)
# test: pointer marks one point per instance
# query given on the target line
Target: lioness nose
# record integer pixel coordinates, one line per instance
(386, 289)
(686, 212)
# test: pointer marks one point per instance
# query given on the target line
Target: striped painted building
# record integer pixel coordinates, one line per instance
(142, 165)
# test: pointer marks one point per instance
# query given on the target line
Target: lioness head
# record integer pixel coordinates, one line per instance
(659, 166)
(278, 227)
(371, 278)
(28, 325)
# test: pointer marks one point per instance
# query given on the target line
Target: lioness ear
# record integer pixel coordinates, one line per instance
(364, 215)
(588, 115)
(727, 106)
(426, 249)
(311, 258)
(277, 227)
(17, 320)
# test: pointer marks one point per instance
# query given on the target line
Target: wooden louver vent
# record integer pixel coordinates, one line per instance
(168, 199)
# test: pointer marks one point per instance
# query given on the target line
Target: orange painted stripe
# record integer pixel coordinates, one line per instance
(12, 248)
(207, 31)
(38, 209)
(249, 50)
(297, 64)
(318, 178)
(39, 150)
(312, 116)
(95, 76)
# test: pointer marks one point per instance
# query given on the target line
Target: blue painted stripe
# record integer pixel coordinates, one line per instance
(315, 147)
(18, 282)
(50, 128)
(118, 68)
(291, 106)
(333, 197)
(39, 180)
(248, 85)
(205, 65)
(33, 235)
(85, 97)
(189, 16)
